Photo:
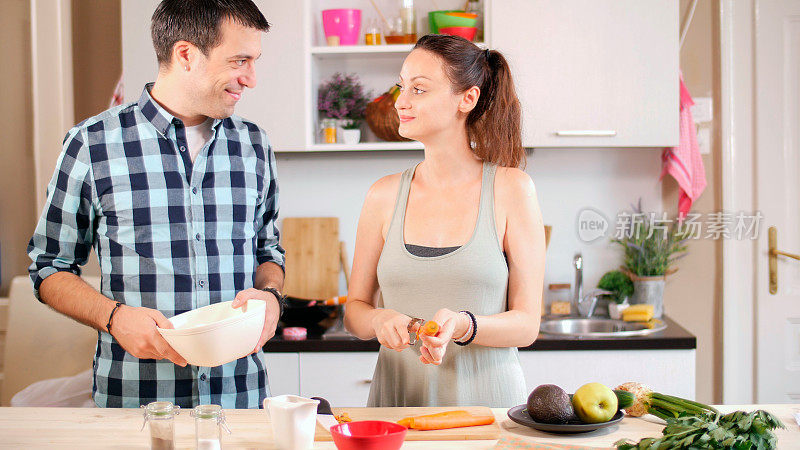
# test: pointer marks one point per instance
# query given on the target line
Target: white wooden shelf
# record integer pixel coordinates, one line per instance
(361, 49)
(361, 146)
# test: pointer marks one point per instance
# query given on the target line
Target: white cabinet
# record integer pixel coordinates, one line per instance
(283, 373)
(343, 378)
(592, 73)
(670, 371)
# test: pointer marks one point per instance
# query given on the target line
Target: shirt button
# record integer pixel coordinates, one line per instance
(194, 190)
(201, 283)
(203, 377)
(197, 236)
(183, 148)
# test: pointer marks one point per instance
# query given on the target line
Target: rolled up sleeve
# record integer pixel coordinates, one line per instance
(64, 234)
(268, 245)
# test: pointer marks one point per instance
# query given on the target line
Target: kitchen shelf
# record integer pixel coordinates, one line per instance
(361, 49)
(365, 146)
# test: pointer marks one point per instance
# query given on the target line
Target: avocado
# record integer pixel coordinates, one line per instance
(549, 403)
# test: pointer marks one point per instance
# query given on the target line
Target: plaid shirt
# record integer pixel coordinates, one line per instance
(170, 234)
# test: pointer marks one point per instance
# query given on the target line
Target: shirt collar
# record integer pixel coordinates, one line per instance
(157, 115)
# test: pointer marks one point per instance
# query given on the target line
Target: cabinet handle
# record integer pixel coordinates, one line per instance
(584, 133)
(367, 381)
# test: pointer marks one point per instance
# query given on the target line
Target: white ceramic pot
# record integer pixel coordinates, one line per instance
(615, 309)
(351, 136)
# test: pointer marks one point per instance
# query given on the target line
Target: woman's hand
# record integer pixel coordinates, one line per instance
(433, 347)
(391, 329)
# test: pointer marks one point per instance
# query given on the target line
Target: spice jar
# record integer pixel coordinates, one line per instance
(161, 417)
(209, 421)
(329, 131)
(373, 34)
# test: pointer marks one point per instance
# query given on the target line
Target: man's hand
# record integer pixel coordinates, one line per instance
(272, 313)
(135, 330)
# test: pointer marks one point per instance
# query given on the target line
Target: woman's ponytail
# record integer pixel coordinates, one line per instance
(494, 126)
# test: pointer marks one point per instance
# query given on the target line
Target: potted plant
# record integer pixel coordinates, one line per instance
(621, 287)
(342, 98)
(351, 131)
(649, 254)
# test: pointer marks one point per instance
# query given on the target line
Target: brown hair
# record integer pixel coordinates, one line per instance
(198, 21)
(494, 125)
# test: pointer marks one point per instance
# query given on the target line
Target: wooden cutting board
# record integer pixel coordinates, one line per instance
(483, 432)
(312, 257)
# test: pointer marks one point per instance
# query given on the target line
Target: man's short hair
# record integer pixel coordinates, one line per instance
(198, 22)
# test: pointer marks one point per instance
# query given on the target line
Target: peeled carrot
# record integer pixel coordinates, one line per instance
(441, 423)
(430, 328)
(406, 422)
(443, 420)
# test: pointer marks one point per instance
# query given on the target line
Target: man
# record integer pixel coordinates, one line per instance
(179, 199)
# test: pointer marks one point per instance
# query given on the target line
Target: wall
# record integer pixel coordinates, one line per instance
(694, 294)
(97, 54)
(567, 180)
(17, 199)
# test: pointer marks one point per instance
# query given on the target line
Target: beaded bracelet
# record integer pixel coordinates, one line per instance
(474, 329)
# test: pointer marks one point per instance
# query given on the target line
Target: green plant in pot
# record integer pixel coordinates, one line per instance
(650, 251)
(344, 99)
(621, 287)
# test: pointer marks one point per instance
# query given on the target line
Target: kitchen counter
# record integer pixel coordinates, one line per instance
(674, 337)
(119, 428)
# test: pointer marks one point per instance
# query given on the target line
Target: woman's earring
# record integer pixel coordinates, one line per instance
(186, 67)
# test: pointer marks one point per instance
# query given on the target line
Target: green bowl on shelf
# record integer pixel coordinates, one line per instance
(450, 18)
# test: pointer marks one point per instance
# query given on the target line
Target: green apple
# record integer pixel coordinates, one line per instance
(594, 403)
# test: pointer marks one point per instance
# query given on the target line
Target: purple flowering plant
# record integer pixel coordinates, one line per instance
(343, 97)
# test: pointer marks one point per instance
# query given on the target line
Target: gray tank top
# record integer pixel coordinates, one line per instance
(474, 277)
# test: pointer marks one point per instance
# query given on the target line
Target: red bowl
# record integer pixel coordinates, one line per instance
(467, 33)
(368, 435)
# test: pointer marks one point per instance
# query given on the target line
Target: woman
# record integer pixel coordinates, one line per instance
(458, 239)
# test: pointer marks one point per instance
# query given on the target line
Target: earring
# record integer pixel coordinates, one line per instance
(186, 67)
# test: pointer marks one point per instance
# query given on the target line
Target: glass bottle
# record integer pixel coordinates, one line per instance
(209, 421)
(395, 34)
(475, 7)
(373, 34)
(409, 19)
(161, 418)
(328, 130)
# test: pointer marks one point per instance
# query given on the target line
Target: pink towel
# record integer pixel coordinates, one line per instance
(684, 162)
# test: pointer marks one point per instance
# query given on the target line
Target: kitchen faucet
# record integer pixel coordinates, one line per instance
(578, 298)
(577, 262)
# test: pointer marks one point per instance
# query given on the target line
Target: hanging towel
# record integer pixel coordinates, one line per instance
(118, 97)
(684, 162)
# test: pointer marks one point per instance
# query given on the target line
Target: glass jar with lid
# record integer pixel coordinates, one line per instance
(161, 418)
(209, 421)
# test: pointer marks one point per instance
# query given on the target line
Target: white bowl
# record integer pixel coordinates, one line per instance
(216, 334)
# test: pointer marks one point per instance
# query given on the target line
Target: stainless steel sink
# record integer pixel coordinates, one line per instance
(596, 327)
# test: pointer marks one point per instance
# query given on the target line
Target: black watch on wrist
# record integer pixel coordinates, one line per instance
(280, 297)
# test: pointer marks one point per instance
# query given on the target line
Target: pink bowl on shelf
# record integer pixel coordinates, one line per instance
(345, 23)
(467, 33)
(368, 435)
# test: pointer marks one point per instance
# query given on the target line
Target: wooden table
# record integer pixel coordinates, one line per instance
(119, 428)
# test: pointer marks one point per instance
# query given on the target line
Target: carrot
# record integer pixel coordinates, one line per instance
(406, 422)
(441, 423)
(443, 420)
(430, 328)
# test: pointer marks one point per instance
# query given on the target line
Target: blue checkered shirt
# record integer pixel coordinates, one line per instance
(170, 234)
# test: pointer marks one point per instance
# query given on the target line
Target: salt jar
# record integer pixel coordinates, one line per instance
(209, 421)
(161, 418)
